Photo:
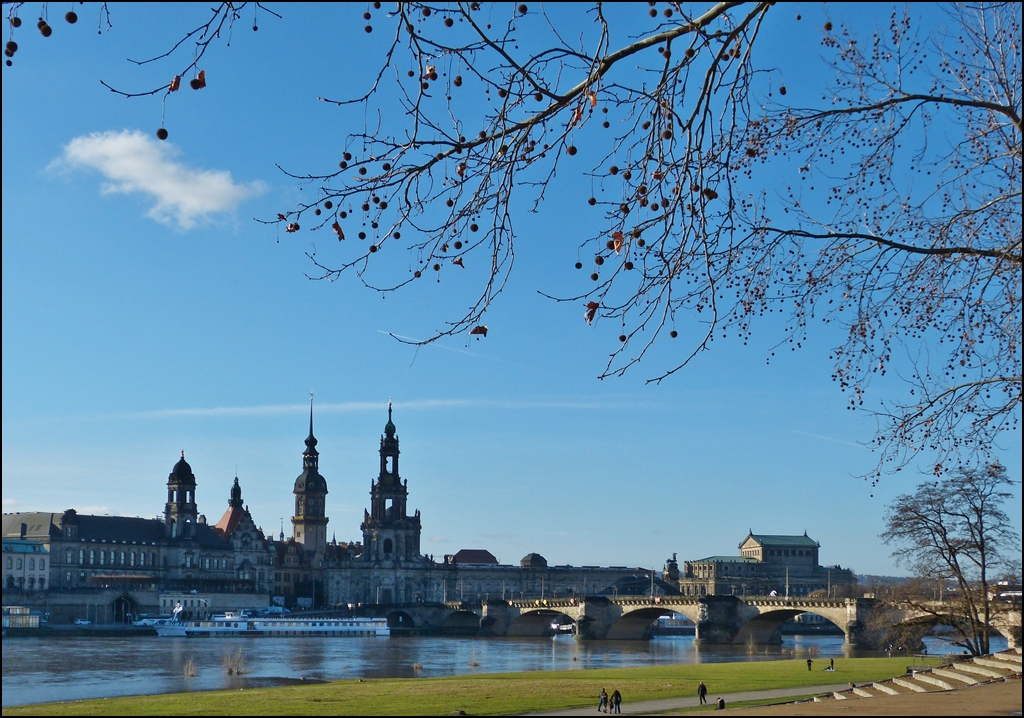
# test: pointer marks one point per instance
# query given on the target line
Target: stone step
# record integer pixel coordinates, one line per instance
(910, 685)
(996, 663)
(1007, 656)
(933, 680)
(955, 674)
(887, 688)
(842, 695)
(982, 670)
(868, 690)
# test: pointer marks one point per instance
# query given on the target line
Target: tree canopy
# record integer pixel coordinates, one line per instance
(955, 530)
(886, 199)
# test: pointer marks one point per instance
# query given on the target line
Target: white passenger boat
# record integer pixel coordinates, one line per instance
(241, 625)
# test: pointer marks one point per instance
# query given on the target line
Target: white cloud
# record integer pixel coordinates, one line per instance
(135, 162)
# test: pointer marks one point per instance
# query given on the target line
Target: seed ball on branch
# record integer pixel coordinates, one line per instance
(328, 204)
(161, 134)
(599, 260)
(594, 276)
(570, 150)
(71, 17)
(579, 265)
(15, 21)
(448, 22)
(46, 30)
(673, 334)
(622, 338)
(592, 201)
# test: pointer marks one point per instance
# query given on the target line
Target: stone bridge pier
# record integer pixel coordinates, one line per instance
(732, 620)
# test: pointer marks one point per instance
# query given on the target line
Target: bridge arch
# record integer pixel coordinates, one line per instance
(538, 622)
(400, 621)
(461, 622)
(636, 624)
(765, 628)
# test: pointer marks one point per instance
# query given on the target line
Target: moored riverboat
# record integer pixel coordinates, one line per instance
(290, 627)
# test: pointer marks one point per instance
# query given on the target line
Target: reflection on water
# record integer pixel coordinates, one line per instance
(36, 670)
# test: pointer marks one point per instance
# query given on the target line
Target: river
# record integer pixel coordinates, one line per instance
(37, 670)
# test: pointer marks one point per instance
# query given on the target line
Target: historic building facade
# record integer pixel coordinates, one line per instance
(181, 552)
(182, 558)
(767, 565)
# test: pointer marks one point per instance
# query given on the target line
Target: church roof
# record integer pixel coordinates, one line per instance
(777, 540)
(229, 521)
(726, 559)
(474, 556)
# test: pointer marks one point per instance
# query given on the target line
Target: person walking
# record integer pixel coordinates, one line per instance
(616, 701)
(702, 693)
(809, 662)
(602, 702)
(831, 664)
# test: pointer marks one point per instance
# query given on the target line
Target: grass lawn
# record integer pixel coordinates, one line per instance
(493, 694)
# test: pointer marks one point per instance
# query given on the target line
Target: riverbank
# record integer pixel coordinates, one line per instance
(993, 699)
(493, 694)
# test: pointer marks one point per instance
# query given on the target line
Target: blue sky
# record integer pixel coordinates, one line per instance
(145, 312)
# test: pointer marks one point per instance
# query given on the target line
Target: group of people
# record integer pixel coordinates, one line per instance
(609, 703)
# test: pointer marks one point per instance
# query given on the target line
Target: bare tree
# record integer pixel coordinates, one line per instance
(894, 206)
(954, 530)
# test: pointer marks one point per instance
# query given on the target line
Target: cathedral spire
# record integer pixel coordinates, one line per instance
(309, 456)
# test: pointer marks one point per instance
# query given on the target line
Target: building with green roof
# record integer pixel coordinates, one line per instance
(768, 564)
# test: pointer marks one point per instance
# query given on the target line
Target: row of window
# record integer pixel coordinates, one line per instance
(21, 565)
(290, 577)
(111, 558)
(19, 582)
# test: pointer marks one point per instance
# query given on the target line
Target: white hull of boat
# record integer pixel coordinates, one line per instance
(289, 627)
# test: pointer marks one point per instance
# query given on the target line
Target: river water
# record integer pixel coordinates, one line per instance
(37, 670)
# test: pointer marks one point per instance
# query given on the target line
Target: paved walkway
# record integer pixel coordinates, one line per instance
(663, 705)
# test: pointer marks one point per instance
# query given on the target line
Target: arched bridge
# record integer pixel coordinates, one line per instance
(718, 619)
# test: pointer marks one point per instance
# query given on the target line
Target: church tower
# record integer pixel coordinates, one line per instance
(389, 534)
(309, 524)
(180, 513)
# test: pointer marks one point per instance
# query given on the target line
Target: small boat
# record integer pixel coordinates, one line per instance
(239, 624)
